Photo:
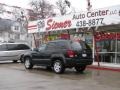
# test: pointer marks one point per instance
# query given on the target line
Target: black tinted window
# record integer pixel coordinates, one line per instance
(51, 46)
(62, 45)
(3, 47)
(42, 47)
(79, 45)
(11, 46)
(76, 46)
(22, 47)
(17, 47)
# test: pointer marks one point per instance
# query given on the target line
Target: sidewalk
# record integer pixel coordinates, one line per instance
(105, 66)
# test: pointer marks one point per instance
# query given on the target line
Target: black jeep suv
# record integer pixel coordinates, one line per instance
(60, 54)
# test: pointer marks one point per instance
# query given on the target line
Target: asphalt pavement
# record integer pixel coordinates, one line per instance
(13, 76)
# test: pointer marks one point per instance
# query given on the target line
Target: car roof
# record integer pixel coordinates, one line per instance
(11, 43)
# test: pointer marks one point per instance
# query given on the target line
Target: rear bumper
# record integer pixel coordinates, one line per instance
(70, 62)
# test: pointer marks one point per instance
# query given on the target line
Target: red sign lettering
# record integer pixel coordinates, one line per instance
(99, 36)
(52, 25)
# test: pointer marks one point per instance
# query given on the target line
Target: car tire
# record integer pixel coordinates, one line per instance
(80, 68)
(27, 62)
(14, 61)
(58, 67)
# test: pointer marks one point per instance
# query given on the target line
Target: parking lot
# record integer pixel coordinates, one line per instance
(13, 76)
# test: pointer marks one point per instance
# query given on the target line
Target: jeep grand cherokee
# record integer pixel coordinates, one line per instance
(60, 54)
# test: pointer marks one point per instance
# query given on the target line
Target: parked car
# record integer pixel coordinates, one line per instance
(13, 51)
(60, 54)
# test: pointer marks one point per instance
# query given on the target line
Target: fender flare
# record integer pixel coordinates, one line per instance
(61, 56)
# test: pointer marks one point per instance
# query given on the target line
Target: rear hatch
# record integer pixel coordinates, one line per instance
(81, 49)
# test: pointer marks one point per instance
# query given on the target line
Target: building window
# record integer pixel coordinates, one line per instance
(16, 28)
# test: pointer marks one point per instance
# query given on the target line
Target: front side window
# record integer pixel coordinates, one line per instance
(42, 47)
(22, 47)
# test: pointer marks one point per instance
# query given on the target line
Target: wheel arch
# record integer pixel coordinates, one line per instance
(27, 56)
(57, 58)
(21, 58)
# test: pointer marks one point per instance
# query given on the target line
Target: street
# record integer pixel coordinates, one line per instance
(13, 76)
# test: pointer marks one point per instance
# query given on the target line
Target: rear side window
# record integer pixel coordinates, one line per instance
(62, 45)
(79, 45)
(76, 46)
(11, 46)
(3, 47)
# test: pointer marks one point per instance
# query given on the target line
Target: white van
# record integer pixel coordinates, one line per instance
(13, 51)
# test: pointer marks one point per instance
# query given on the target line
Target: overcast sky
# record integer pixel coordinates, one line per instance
(77, 4)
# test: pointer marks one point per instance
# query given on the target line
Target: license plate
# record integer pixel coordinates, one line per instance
(84, 55)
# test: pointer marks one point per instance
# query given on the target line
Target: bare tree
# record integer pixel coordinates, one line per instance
(20, 17)
(16, 14)
(32, 15)
(42, 9)
(2, 9)
(63, 6)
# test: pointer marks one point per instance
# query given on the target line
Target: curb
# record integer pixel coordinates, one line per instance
(104, 68)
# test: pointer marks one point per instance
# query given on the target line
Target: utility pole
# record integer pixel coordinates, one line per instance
(95, 48)
(89, 6)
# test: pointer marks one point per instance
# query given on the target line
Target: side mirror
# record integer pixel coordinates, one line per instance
(35, 49)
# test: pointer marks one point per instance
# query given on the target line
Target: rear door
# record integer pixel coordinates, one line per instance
(48, 52)
(82, 49)
(13, 53)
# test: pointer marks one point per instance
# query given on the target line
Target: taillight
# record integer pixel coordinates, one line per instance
(70, 53)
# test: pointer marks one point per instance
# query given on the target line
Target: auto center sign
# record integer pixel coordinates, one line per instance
(99, 17)
(102, 17)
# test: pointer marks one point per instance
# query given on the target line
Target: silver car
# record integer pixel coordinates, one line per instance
(13, 51)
